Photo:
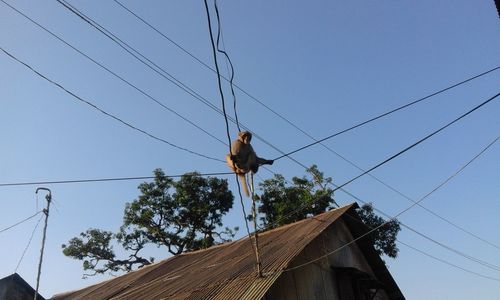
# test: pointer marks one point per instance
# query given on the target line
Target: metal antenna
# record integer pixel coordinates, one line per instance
(46, 212)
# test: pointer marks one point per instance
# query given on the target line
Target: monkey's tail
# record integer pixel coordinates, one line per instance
(243, 180)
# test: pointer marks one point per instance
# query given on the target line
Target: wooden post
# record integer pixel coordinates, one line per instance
(256, 233)
(46, 212)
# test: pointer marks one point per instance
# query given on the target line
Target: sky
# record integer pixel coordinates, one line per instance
(324, 65)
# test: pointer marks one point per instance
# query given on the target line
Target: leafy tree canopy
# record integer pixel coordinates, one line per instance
(182, 216)
(283, 203)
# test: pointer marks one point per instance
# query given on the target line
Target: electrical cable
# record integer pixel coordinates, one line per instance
(394, 218)
(309, 135)
(22, 221)
(357, 125)
(219, 33)
(105, 112)
(28, 245)
(105, 179)
(225, 115)
(219, 82)
(396, 155)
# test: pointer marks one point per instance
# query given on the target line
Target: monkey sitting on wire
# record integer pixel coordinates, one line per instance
(243, 158)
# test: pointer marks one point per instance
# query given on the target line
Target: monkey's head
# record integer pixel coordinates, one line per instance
(245, 137)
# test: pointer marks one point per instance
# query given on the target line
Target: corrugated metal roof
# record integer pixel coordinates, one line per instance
(224, 271)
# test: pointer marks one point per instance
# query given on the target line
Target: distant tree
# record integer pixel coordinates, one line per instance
(182, 216)
(281, 203)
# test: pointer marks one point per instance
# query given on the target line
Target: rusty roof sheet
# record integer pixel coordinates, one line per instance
(225, 271)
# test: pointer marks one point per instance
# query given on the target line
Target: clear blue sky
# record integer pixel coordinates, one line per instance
(325, 65)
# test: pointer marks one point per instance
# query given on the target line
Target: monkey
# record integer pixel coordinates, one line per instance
(243, 158)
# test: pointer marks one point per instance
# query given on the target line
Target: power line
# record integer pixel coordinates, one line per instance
(22, 221)
(479, 261)
(28, 245)
(394, 156)
(231, 78)
(107, 179)
(219, 83)
(363, 123)
(201, 62)
(105, 112)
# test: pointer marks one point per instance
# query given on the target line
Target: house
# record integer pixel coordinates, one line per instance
(14, 287)
(294, 266)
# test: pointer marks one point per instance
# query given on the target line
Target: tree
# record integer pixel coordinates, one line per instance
(181, 216)
(281, 203)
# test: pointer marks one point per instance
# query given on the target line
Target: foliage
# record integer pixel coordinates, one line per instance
(385, 237)
(282, 203)
(182, 216)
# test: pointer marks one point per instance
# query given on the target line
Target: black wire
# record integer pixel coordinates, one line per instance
(108, 179)
(105, 112)
(22, 221)
(393, 218)
(29, 243)
(214, 52)
(230, 63)
(390, 158)
(383, 115)
(139, 56)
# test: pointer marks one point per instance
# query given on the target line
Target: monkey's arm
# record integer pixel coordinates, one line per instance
(263, 161)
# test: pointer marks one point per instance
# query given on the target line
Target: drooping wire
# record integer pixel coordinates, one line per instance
(28, 245)
(22, 221)
(105, 112)
(231, 78)
(393, 156)
(219, 82)
(214, 52)
(484, 263)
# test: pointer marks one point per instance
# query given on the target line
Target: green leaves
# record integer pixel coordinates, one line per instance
(181, 216)
(283, 203)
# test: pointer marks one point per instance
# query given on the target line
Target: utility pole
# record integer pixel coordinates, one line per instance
(46, 212)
